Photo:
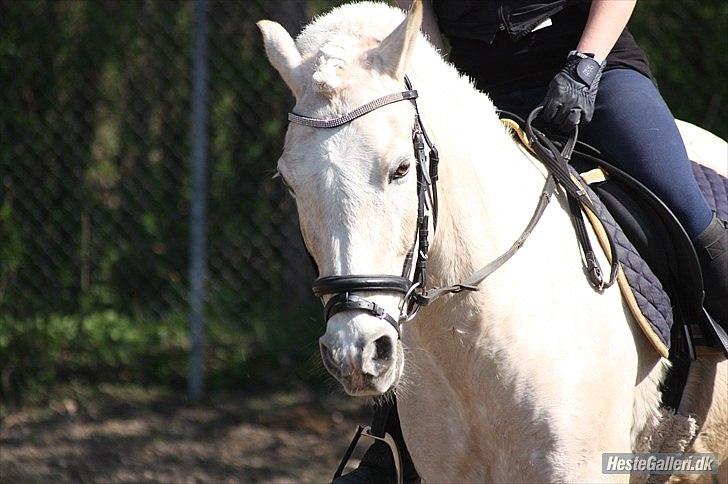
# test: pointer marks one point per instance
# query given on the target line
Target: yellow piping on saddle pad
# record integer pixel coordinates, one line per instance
(598, 175)
(515, 128)
(593, 176)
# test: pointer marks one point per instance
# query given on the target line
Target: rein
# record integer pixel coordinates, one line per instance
(414, 290)
(556, 163)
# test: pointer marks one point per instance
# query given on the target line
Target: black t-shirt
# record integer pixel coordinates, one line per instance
(494, 41)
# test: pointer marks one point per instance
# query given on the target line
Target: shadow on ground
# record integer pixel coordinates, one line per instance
(136, 434)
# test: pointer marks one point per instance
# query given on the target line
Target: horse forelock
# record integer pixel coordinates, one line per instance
(358, 20)
(333, 64)
(335, 45)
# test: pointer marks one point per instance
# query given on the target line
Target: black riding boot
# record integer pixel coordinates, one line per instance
(377, 465)
(712, 249)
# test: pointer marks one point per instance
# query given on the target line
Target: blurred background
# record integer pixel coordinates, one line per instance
(101, 272)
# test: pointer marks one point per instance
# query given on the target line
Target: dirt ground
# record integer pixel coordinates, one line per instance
(137, 434)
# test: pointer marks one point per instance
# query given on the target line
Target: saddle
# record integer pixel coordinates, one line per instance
(666, 249)
(662, 243)
(660, 276)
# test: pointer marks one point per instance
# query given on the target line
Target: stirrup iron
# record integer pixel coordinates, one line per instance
(367, 432)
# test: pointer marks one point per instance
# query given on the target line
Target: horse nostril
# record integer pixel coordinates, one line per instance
(384, 347)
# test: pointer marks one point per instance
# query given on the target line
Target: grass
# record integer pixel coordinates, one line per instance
(37, 354)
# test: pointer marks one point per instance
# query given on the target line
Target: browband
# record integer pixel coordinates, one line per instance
(356, 113)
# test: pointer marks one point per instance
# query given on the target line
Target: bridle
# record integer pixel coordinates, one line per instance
(414, 291)
(341, 287)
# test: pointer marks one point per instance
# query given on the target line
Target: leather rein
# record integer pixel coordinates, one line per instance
(414, 291)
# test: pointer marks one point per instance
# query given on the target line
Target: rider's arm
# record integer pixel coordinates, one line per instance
(429, 22)
(607, 19)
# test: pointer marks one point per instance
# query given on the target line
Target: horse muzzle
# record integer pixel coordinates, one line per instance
(364, 357)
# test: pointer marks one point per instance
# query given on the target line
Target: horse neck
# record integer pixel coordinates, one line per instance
(483, 175)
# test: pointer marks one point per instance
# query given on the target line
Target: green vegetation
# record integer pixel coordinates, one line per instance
(687, 45)
(36, 353)
(94, 186)
(95, 189)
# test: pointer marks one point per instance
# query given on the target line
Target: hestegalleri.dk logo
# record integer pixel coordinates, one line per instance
(664, 463)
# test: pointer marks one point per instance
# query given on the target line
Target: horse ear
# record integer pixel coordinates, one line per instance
(282, 54)
(395, 50)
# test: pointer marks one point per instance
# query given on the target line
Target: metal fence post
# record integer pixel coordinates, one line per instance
(198, 222)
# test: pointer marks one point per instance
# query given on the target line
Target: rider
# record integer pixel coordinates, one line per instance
(577, 58)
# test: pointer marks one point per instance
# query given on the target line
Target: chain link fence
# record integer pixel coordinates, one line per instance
(95, 126)
(95, 183)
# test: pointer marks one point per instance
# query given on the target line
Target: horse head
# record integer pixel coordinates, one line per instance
(354, 185)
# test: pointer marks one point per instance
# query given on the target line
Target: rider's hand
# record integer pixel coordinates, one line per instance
(572, 92)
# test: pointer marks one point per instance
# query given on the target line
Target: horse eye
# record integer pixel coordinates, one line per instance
(401, 170)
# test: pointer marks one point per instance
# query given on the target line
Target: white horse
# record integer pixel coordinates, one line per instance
(534, 376)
